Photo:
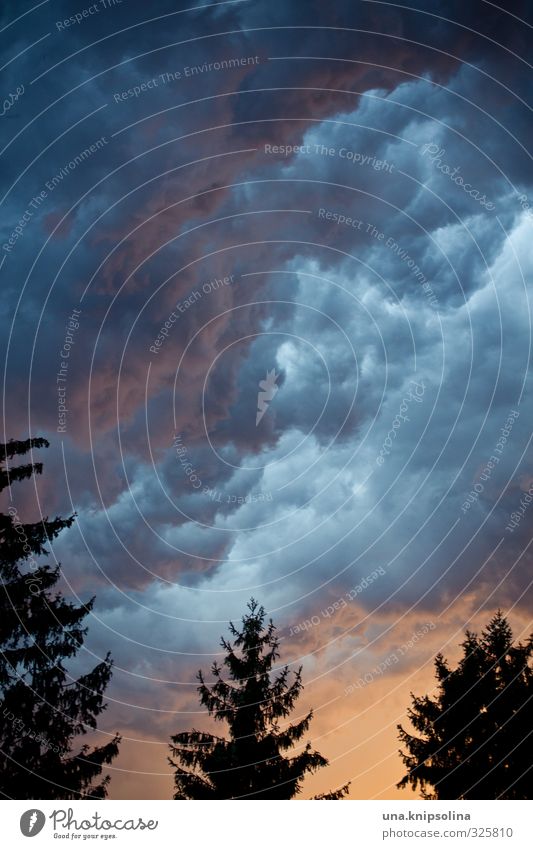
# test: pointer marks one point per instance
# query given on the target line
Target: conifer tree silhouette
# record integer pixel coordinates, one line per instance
(43, 710)
(251, 763)
(476, 736)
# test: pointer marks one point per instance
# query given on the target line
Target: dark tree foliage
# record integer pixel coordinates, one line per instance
(334, 794)
(251, 762)
(42, 710)
(475, 738)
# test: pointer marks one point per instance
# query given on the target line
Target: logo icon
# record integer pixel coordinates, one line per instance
(32, 822)
(264, 397)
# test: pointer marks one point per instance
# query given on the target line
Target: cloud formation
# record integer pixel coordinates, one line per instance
(340, 193)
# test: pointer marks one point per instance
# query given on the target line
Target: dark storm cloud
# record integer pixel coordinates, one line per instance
(296, 510)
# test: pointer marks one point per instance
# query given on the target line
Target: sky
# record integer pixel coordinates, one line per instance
(265, 272)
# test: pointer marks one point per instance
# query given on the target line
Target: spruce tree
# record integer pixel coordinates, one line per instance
(251, 762)
(475, 737)
(42, 709)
